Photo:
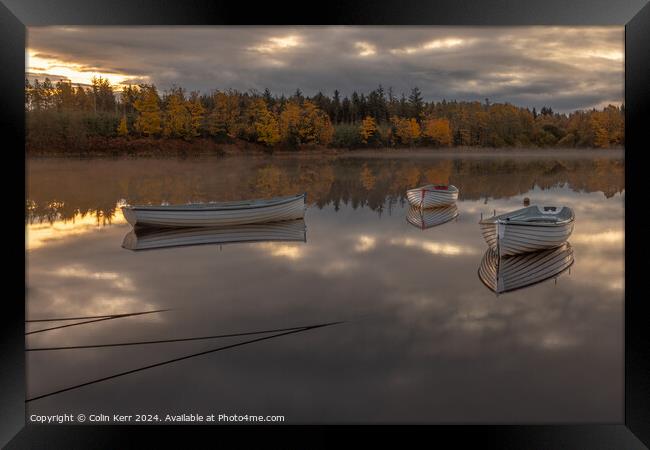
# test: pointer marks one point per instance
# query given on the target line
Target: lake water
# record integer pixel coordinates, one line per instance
(411, 333)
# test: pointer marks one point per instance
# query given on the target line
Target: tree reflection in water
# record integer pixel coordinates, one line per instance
(66, 189)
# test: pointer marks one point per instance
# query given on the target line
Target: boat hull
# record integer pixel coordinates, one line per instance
(155, 238)
(527, 230)
(426, 197)
(429, 218)
(513, 239)
(515, 272)
(217, 214)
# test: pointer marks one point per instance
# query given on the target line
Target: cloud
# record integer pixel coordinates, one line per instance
(563, 67)
(365, 49)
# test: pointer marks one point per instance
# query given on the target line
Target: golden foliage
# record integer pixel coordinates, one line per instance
(306, 121)
(290, 123)
(148, 107)
(122, 129)
(305, 124)
(315, 125)
(406, 130)
(438, 130)
(265, 123)
(197, 115)
(178, 121)
(368, 129)
(607, 126)
(225, 118)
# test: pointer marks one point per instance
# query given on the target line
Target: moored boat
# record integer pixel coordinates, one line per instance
(518, 271)
(432, 195)
(217, 213)
(153, 238)
(528, 229)
(428, 218)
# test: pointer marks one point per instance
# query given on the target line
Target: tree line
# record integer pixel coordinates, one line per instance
(70, 114)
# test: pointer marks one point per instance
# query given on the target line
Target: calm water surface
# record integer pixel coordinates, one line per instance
(420, 338)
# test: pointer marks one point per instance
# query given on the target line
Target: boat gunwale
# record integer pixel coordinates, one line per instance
(222, 206)
(528, 224)
(504, 220)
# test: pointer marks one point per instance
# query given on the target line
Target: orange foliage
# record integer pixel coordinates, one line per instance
(438, 130)
(368, 129)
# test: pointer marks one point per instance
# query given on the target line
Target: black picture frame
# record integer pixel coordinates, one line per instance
(15, 15)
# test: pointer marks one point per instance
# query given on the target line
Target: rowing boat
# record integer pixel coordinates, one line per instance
(149, 238)
(514, 272)
(528, 229)
(432, 195)
(428, 218)
(217, 213)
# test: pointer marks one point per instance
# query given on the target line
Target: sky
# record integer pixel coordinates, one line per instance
(566, 68)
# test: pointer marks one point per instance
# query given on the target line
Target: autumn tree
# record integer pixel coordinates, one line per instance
(438, 131)
(368, 129)
(407, 131)
(305, 124)
(197, 115)
(290, 123)
(315, 127)
(601, 137)
(178, 121)
(148, 107)
(224, 119)
(64, 112)
(265, 122)
(607, 127)
(122, 129)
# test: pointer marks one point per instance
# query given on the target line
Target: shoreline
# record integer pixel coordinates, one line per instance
(205, 147)
(432, 153)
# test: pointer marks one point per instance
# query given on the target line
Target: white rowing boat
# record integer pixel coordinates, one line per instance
(428, 218)
(152, 238)
(514, 272)
(432, 195)
(217, 213)
(528, 229)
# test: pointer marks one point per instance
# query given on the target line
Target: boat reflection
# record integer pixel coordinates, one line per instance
(429, 218)
(514, 272)
(154, 238)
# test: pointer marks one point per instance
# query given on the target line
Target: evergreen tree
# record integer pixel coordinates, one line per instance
(416, 103)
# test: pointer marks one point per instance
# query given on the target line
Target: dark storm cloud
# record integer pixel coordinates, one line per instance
(567, 68)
